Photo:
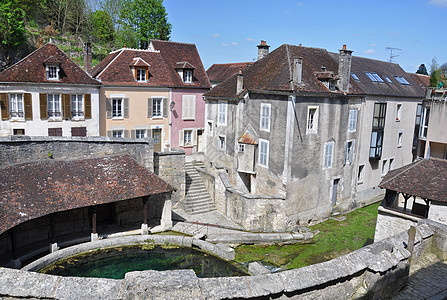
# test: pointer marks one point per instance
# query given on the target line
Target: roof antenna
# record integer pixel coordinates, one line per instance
(391, 53)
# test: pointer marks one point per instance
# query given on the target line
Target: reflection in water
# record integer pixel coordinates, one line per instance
(116, 262)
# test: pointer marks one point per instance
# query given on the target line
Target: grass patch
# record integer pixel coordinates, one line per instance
(336, 238)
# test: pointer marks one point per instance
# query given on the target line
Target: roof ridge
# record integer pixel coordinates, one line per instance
(108, 65)
(184, 43)
(403, 171)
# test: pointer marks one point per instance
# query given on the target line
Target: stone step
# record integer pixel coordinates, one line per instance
(197, 199)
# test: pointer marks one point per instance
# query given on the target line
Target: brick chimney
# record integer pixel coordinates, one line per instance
(263, 50)
(88, 57)
(240, 82)
(344, 69)
(297, 70)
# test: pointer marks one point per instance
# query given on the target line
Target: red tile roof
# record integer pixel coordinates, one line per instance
(162, 58)
(424, 178)
(422, 80)
(32, 68)
(221, 72)
(34, 189)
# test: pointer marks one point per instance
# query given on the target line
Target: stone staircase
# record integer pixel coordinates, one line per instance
(197, 200)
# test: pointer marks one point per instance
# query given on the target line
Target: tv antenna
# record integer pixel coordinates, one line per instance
(391, 53)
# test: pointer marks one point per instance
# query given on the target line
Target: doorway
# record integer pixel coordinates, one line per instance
(156, 134)
(199, 140)
(334, 191)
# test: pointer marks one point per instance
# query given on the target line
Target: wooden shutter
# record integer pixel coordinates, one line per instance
(165, 107)
(133, 133)
(108, 108)
(88, 106)
(4, 103)
(149, 107)
(181, 138)
(28, 106)
(43, 106)
(194, 137)
(149, 133)
(109, 133)
(126, 107)
(66, 106)
(126, 134)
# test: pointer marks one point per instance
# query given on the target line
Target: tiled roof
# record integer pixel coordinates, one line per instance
(422, 80)
(424, 178)
(163, 58)
(32, 68)
(221, 72)
(34, 189)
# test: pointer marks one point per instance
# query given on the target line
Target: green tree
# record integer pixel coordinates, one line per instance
(12, 30)
(422, 70)
(147, 18)
(435, 73)
(102, 26)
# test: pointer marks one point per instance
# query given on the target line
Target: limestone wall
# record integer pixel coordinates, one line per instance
(19, 149)
(169, 166)
(374, 272)
(209, 181)
(390, 222)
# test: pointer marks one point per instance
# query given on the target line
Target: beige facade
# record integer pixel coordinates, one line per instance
(135, 112)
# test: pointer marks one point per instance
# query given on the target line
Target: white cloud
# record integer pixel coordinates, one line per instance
(442, 3)
(250, 39)
(234, 44)
(225, 44)
(369, 51)
(300, 4)
(216, 34)
(228, 45)
(373, 45)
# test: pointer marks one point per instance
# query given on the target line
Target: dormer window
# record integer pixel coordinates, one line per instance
(187, 76)
(140, 69)
(141, 75)
(52, 72)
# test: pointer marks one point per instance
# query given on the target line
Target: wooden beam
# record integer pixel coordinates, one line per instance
(145, 205)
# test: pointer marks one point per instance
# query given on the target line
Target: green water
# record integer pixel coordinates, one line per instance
(116, 262)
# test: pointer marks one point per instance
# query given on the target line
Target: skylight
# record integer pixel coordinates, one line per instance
(401, 80)
(355, 77)
(387, 79)
(374, 77)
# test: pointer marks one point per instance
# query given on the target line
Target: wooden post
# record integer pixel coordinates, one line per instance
(94, 220)
(13, 243)
(145, 205)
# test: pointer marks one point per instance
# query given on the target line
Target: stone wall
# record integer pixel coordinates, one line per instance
(170, 166)
(19, 149)
(209, 180)
(390, 222)
(253, 212)
(376, 271)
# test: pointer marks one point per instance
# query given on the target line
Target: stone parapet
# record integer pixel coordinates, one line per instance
(170, 166)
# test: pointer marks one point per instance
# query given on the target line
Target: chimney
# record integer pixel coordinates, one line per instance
(88, 57)
(263, 50)
(344, 69)
(240, 82)
(297, 70)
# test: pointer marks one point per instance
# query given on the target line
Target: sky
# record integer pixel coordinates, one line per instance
(226, 31)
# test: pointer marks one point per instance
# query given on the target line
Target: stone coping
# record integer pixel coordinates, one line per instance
(382, 258)
(92, 139)
(396, 213)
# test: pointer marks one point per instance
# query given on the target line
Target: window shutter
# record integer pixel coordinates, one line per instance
(28, 106)
(66, 106)
(193, 107)
(4, 105)
(194, 137)
(126, 134)
(133, 133)
(346, 152)
(109, 133)
(126, 107)
(351, 159)
(108, 108)
(43, 106)
(88, 106)
(181, 138)
(165, 107)
(149, 107)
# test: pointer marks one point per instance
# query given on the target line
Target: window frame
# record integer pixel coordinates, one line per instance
(401, 80)
(355, 77)
(187, 132)
(117, 107)
(187, 76)
(141, 74)
(263, 158)
(361, 174)
(241, 148)
(15, 103)
(398, 112)
(378, 129)
(264, 120)
(52, 72)
(118, 133)
(56, 113)
(349, 152)
(77, 110)
(222, 143)
(155, 113)
(328, 156)
(222, 112)
(188, 107)
(400, 137)
(312, 119)
(138, 133)
(352, 120)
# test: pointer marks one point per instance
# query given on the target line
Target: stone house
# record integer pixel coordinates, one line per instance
(298, 124)
(47, 94)
(156, 92)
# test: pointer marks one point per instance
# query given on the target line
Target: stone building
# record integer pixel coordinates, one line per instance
(47, 94)
(298, 125)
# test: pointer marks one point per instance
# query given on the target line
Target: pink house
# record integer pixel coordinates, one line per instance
(187, 107)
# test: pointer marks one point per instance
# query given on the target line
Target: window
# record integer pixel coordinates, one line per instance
(157, 110)
(384, 167)
(54, 131)
(356, 78)
(399, 138)
(417, 126)
(398, 111)
(117, 107)
(117, 133)
(187, 137)
(54, 105)
(352, 126)
(328, 155)
(391, 164)
(265, 116)
(222, 119)
(241, 148)
(360, 174)
(16, 106)
(78, 131)
(312, 119)
(210, 127)
(77, 106)
(375, 150)
(18, 131)
(141, 75)
(187, 76)
(349, 152)
(52, 72)
(401, 80)
(374, 77)
(264, 153)
(424, 125)
(222, 143)
(140, 133)
(188, 107)
(387, 79)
